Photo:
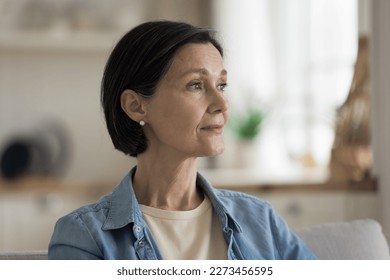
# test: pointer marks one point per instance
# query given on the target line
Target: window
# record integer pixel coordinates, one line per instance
(296, 59)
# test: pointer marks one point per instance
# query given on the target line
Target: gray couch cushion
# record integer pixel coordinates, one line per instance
(355, 240)
(28, 255)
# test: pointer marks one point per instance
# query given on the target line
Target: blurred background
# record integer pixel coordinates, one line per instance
(308, 129)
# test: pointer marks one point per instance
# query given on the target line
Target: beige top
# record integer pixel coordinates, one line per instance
(187, 235)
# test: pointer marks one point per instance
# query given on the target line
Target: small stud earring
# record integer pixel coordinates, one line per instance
(142, 123)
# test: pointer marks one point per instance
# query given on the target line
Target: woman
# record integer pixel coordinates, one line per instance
(164, 103)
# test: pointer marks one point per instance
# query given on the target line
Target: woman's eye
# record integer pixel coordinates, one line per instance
(196, 86)
(222, 86)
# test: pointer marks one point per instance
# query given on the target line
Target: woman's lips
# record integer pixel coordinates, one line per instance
(217, 128)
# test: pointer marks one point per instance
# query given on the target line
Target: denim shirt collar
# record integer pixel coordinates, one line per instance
(122, 213)
(226, 220)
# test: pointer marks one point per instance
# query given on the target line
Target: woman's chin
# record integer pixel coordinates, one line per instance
(216, 151)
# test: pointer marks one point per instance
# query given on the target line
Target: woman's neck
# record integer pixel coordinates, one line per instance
(168, 185)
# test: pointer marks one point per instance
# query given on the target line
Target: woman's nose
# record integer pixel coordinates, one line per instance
(219, 102)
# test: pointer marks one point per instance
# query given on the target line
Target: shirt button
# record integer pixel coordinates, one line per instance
(141, 244)
(138, 229)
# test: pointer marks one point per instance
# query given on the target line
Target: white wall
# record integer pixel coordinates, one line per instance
(48, 75)
(381, 101)
(60, 84)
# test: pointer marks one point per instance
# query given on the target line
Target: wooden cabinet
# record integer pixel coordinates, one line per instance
(302, 209)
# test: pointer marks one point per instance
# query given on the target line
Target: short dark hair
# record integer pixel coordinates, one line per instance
(138, 62)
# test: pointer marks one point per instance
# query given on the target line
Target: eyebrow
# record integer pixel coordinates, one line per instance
(202, 71)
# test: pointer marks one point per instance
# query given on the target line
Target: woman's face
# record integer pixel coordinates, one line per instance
(189, 110)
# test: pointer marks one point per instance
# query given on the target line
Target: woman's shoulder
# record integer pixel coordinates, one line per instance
(230, 197)
(242, 199)
(93, 211)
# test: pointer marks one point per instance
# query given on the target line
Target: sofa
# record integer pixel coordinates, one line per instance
(354, 240)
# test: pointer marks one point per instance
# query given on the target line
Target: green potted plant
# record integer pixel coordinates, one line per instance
(246, 127)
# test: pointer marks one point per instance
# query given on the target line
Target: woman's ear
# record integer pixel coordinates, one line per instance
(133, 105)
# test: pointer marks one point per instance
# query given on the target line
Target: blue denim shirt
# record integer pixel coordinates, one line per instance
(113, 228)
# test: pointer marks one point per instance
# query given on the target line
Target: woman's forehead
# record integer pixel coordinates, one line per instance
(203, 59)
